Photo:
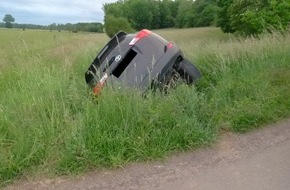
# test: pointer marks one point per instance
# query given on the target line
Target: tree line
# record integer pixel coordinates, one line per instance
(157, 14)
(88, 27)
(246, 17)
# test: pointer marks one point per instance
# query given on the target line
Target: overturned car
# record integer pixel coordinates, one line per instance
(144, 61)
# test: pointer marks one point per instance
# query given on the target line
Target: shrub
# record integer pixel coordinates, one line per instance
(113, 25)
(252, 17)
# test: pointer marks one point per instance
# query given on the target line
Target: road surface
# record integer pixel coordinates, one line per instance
(257, 160)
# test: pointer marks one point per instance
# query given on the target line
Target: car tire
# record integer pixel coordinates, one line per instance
(188, 71)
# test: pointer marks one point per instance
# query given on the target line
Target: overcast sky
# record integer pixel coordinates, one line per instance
(46, 12)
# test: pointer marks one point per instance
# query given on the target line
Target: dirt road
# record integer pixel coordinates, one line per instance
(257, 160)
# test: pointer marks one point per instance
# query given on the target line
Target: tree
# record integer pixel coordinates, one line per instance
(8, 19)
(114, 9)
(247, 16)
(278, 15)
(184, 14)
(166, 18)
(252, 17)
(204, 13)
(154, 7)
(52, 26)
(224, 17)
(114, 25)
(138, 13)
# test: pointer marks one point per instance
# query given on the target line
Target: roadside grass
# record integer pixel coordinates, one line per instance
(50, 125)
(249, 80)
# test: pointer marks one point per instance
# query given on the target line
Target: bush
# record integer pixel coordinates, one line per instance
(114, 25)
(252, 17)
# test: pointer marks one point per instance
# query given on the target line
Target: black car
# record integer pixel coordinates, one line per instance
(143, 60)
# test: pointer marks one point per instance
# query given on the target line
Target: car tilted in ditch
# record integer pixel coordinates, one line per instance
(144, 61)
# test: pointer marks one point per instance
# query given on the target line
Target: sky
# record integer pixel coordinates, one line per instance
(45, 12)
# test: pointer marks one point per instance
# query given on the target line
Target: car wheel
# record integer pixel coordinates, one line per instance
(188, 71)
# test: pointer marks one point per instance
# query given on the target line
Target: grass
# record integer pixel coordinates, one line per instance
(50, 125)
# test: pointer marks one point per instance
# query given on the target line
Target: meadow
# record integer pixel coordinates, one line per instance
(50, 124)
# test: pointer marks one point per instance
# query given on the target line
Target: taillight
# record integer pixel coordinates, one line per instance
(169, 45)
(142, 34)
(97, 89)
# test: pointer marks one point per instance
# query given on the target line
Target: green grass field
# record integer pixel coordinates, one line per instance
(50, 125)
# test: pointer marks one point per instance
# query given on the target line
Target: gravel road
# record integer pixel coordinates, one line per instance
(256, 160)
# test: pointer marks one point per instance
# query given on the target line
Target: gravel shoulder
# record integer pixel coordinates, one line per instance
(259, 159)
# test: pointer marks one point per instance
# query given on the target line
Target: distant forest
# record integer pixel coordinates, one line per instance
(87, 27)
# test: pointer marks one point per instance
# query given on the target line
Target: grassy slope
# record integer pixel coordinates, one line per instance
(49, 124)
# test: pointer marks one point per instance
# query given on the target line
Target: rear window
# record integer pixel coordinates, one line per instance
(124, 63)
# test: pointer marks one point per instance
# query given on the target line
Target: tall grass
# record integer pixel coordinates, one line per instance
(249, 80)
(49, 124)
